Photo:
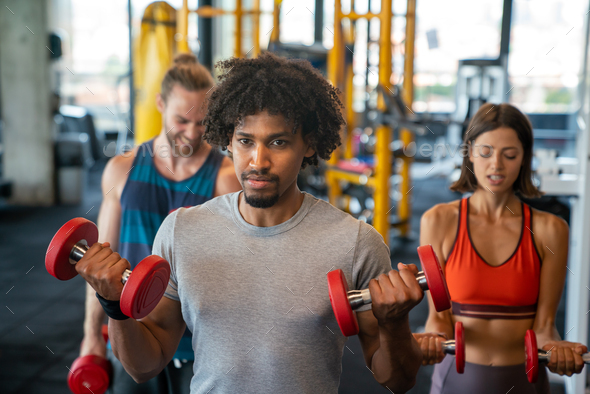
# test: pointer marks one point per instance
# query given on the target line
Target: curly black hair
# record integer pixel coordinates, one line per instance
(290, 87)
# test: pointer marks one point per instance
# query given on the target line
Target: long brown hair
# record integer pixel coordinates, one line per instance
(188, 73)
(491, 117)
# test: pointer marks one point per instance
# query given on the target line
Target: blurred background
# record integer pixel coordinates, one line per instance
(78, 80)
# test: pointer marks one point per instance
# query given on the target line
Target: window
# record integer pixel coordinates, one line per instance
(546, 50)
(445, 34)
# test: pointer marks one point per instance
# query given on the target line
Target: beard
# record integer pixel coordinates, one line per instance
(261, 201)
(256, 200)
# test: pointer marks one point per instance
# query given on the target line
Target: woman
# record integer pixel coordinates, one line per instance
(505, 271)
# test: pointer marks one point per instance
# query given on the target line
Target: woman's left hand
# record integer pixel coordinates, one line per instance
(566, 357)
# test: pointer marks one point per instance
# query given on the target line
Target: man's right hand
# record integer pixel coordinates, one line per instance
(103, 269)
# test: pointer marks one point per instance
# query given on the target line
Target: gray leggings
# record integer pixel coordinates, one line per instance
(483, 379)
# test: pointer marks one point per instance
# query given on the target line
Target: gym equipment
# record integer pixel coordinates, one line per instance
(536, 356)
(142, 290)
(153, 54)
(91, 372)
(105, 332)
(340, 73)
(345, 301)
(457, 347)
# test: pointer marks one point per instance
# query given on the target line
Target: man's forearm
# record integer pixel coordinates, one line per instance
(94, 315)
(396, 362)
(137, 349)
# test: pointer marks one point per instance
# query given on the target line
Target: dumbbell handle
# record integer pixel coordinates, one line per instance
(358, 298)
(80, 249)
(545, 356)
(448, 347)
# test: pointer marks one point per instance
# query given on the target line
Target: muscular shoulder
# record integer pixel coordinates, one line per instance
(547, 219)
(441, 215)
(438, 227)
(548, 227)
(116, 172)
(227, 181)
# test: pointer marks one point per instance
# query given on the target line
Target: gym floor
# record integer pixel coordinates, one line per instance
(41, 318)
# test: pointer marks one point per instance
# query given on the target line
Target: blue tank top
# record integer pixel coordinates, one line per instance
(146, 200)
(148, 197)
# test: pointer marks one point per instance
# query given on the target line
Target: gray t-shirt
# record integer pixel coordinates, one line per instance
(256, 298)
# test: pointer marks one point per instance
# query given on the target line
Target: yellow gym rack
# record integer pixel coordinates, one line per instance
(211, 12)
(378, 179)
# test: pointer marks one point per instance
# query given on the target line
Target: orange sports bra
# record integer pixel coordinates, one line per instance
(507, 291)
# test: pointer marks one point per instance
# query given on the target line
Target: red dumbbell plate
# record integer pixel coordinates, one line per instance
(459, 347)
(145, 287)
(532, 356)
(338, 289)
(105, 332)
(57, 258)
(435, 278)
(90, 373)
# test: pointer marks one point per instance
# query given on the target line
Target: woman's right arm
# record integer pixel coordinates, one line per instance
(434, 224)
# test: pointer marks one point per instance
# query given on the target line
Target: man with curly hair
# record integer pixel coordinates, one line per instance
(249, 268)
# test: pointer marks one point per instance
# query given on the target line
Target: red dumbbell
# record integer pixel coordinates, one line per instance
(91, 372)
(536, 356)
(143, 288)
(345, 301)
(457, 347)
